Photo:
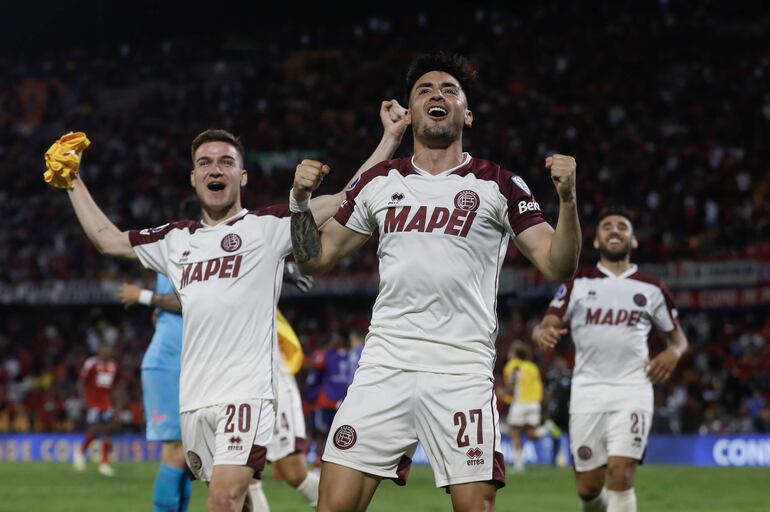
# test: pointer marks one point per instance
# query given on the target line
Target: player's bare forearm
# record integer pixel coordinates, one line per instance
(566, 242)
(105, 236)
(677, 341)
(305, 241)
(167, 302)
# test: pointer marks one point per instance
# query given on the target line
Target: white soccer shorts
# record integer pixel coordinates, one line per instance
(596, 436)
(524, 415)
(234, 433)
(387, 411)
(289, 432)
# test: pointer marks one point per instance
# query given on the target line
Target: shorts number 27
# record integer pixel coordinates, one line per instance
(462, 422)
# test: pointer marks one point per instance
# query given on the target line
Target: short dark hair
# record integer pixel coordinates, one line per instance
(217, 135)
(452, 63)
(615, 210)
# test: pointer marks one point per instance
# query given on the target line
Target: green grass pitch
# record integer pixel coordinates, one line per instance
(52, 487)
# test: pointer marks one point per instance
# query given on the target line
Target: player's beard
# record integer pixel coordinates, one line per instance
(615, 255)
(439, 135)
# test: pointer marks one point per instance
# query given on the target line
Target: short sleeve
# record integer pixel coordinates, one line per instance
(354, 213)
(560, 304)
(151, 246)
(521, 209)
(277, 227)
(663, 311)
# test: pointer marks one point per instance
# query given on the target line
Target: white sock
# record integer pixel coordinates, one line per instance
(598, 504)
(258, 498)
(518, 459)
(309, 489)
(621, 501)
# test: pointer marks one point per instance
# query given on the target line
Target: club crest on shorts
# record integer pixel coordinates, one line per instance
(231, 242)
(467, 200)
(584, 452)
(195, 460)
(640, 300)
(345, 437)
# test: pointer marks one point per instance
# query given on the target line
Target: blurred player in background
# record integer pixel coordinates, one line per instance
(333, 368)
(558, 381)
(610, 310)
(426, 373)
(523, 382)
(160, 384)
(97, 379)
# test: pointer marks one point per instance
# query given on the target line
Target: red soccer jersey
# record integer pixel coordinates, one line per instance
(99, 377)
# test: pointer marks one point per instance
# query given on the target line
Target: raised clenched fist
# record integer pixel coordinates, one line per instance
(307, 178)
(563, 169)
(393, 117)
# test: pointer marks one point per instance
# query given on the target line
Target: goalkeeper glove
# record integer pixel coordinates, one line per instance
(62, 159)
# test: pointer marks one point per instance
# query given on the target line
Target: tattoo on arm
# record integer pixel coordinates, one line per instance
(305, 238)
(167, 302)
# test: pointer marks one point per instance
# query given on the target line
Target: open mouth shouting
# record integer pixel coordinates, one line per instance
(437, 112)
(215, 186)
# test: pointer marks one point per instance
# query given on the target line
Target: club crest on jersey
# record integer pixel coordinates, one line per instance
(584, 452)
(523, 186)
(231, 242)
(467, 200)
(345, 437)
(640, 300)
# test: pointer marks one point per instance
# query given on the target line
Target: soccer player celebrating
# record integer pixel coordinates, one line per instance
(97, 378)
(444, 219)
(226, 270)
(610, 310)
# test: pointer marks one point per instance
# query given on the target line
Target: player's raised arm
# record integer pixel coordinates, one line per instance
(394, 123)
(548, 332)
(62, 162)
(556, 253)
(105, 236)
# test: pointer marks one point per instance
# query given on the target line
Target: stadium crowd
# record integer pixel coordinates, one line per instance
(660, 123)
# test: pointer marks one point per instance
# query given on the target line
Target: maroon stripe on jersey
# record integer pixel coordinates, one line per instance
(564, 293)
(519, 218)
(402, 471)
(655, 281)
(345, 210)
(498, 462)
(300, 445)
(498, 470)
(256, 460)
(148, 236)
(276, 210)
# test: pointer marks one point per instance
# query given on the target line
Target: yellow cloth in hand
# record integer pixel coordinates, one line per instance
(62, 159)
(288, 344)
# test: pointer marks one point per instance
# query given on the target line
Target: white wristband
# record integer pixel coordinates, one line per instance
(298, 206)
(145, 297)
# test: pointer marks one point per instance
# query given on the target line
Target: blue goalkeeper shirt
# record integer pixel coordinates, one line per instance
(165, 350)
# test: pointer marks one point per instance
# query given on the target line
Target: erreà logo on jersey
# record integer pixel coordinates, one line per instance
(218, 268)
(428, 219)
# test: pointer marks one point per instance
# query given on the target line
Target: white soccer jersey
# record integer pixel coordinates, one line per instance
(228, 278)
(610, 318)
(442, 242)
